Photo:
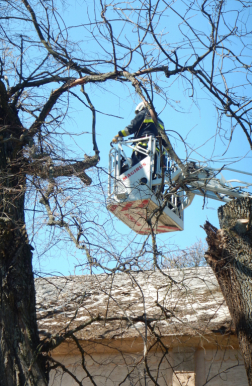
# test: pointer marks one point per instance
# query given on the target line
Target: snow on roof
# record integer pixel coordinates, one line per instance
(175, 302)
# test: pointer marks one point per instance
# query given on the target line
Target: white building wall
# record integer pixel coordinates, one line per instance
(220, 368)
(111, 370)
(182, 367)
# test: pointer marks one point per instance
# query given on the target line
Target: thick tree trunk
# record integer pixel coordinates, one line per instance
(20, 361)
(230, 256)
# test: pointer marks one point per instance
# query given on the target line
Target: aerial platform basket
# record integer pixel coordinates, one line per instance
(135, 196)
(132, 195)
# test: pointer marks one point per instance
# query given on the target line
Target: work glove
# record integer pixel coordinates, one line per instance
(116, 138)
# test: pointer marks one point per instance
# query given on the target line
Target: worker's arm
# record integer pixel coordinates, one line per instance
(132, 128)
(134, 125)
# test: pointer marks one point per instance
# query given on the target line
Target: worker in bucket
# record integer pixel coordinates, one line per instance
(141, 126)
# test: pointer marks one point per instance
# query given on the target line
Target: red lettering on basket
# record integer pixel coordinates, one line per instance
(134, 171)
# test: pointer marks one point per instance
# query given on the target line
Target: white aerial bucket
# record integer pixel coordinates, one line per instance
(136, 205)
(134, 196)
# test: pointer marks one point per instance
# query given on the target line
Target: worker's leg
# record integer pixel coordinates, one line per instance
(137, 157)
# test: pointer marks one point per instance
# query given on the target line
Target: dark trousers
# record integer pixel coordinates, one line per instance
(137, 157)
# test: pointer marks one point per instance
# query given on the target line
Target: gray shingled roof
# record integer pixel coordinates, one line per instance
(190, 303)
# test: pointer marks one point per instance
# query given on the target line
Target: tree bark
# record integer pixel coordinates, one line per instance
(20, 362)
(230, 257)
